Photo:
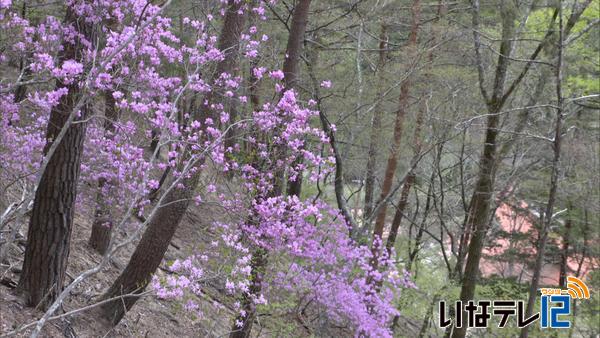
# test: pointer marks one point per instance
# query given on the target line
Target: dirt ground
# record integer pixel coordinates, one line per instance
(150, 317)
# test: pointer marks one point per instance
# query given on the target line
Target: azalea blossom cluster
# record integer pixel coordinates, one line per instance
(23, 122)
(130, 68)
(311, 258)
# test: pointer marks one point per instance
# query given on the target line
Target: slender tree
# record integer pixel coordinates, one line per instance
(417, 143)
(290, 70)
(311, 63)
(547, 216)
(375, 133)
(392, 162)
(259, 258)
(478, 218)
(494, 105)
(103, 222)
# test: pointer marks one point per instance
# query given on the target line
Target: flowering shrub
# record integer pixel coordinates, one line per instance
(311, 256)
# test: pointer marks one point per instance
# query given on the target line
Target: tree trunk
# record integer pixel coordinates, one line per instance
(416, 141)
(295, 43)
(414, 253)
(410, 179)
(374, 140)
(400, 210)
(163, 224)
(547, 216)
(338, 181)
(521, 121)
(479, 211)
(51, 219)
(392, 162)
(500, 97)
(149, 252)
(258, 264)
(260, 255)
(290, 71)
(103, 222)
(480, 220)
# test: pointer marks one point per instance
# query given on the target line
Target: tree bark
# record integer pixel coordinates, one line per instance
(478, 218)
(149, 252)
(163, 224)
(51, 221)
(103, 222)
(392, 162)
(479, 211)
(295, 43)
(400, 210)
(416, 141)
(260, 255)
(290, 71)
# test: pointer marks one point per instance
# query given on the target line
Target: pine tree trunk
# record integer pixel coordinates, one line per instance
(416, 141)
(392, 162)
(400, 210)
(149, 252)
(103, 222)
(295, 43)
(51, 221)
(260, 255)
(290, 71)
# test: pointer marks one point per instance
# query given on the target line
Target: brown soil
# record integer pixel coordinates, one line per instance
(150, 317)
